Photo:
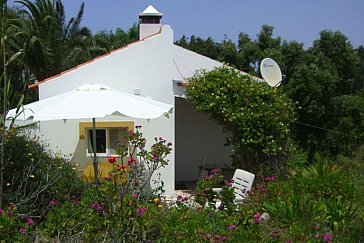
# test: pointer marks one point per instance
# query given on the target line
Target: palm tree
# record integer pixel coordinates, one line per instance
(50, 44)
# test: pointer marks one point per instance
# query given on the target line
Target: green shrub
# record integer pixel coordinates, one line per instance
(14, 227)
(206, 196)
(114, 209)
(33, 175)
(325, 179)
(256, 118)
(315, 201)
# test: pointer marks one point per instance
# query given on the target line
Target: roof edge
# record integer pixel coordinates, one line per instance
(34, 85)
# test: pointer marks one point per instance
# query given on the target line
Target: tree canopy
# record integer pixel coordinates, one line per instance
(326, 81)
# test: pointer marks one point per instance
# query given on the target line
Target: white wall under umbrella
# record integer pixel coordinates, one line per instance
(91, 101)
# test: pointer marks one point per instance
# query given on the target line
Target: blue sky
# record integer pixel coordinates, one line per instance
(299, 20)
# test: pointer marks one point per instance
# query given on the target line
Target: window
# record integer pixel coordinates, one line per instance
(109, 135)
(107, 140)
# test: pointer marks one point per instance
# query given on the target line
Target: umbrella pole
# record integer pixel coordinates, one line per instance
(94, 150)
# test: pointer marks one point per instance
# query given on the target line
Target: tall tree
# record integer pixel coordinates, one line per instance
(359, 81)
(7, 57)
(322, 82)
(106, 41)
(335, 48)
(207, 47)
(51, 44)
(228, 52)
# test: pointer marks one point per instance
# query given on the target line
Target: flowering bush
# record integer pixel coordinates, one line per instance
(112, 210)
(13, 227)
(292, 209)
(206, 195)
(257, 117)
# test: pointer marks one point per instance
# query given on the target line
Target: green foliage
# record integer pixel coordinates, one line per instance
(207, 47)
(317, 200)
(297, 212)
(33, 176)
(326, 180)
(256, 117)
(109, 41)
(207, 196)
(117, 208)
(50, 44)
(317, 78)
(13, 227)
(323, 83)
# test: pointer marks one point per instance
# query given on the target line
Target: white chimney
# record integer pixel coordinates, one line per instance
(149, 22)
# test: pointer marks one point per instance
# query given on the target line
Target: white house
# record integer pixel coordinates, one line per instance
(151, 67)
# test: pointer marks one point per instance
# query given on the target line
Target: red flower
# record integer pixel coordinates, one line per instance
(132, 160)
(112, 159)
(121, 167)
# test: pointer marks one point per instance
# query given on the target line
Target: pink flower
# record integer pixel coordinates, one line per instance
(250, 193)
(275, 233)
(23, 231)
(98, 207)
(1, 211)
(134, 195)
(219, 238)
(315, 236)
(257, 218)
(232, 227)
(30, 222)
(181, 198)
(112, 159)
(10, 214)
(327, 238)
(140, 212)
(228, 182)
(53, 203)
(216, 171)
(272, 178)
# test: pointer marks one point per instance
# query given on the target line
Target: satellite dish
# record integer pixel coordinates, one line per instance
(271, 72)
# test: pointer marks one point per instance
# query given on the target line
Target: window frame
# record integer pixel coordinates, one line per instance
(84, 127)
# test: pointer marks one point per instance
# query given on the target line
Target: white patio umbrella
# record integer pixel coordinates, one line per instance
(91, 101)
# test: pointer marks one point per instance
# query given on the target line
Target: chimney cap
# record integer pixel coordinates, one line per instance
(150, 11)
